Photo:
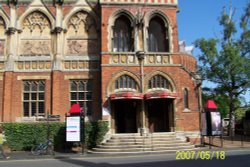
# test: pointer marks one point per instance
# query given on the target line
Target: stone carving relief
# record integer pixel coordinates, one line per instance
(81, 65)
(2, 47)
(77, 47)
(33, 65)
(81, 19)
(36, 23)
(31, 47)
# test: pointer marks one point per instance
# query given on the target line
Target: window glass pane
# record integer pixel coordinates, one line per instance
(41, 96)
(41, 107)
(73, 96)
(26, 96)
(81, 103)
(33, 96)
(81, 86)
(158, 37)
(33, 86)
(26, 86)
(73, 86)
(81, 96)
(33, 108)
(122, 33)
(26, 109)
(41, 86)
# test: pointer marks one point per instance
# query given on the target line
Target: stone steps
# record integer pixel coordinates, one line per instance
(134, 143)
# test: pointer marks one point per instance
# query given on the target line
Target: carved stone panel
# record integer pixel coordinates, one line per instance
(2, 43)
(36, 24)
(78, 65)
(35, 47)
(33, 65)
(2, 27)
(81, 24)
(82, 47)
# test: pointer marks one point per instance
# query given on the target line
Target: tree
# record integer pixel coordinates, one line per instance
(225, 61)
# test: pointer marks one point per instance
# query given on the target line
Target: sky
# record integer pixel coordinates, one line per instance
(199, 19)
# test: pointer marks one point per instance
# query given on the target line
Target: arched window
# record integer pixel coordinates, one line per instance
(122, 35)
(125, 82)
(186, 98)
(158, 81)
(158, 40)
(2, 36)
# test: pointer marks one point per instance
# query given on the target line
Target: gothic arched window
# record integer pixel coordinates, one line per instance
(186, 104)
(158, 40)
(122, 35)
(158, 81)
(125, 82)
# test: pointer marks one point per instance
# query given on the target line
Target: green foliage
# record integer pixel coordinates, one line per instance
(22, 136)
(225, 61)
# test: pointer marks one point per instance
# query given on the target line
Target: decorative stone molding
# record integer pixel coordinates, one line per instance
(35, 47)
(33, 65)
(36, 19)
(2, 65)
(58, 30)
(82, 76)
(157, 58)
(82, 47)
(46, 77)
(81, 65)
(76, 20)
(148, 2)
(123, 58)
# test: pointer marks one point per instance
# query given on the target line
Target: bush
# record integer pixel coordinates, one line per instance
(22, 136)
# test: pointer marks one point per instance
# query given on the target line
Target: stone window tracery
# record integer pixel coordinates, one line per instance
(125, 82)
(35, 38)
(81, 35)
(158, 39)
(2, 36)
(122, 35)
(158, 81)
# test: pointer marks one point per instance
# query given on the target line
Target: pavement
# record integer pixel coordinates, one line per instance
(229, 144)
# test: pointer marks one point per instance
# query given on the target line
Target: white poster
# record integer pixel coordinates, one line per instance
(216, 123)
(73, 130)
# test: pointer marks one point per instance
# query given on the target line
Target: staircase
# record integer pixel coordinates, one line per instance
(134, 143)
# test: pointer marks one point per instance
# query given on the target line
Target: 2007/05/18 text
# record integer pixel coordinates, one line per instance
(203, 155)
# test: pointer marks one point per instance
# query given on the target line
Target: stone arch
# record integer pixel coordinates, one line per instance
(166, 76)
(5, 19)
(167, 24)
(73, 12)
(35, 37)
(81, 35)
(111, 23)
(32, 10)
(3, 27)
(111, 84)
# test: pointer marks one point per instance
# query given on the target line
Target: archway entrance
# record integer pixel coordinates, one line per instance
(125, 115)
(160, 114)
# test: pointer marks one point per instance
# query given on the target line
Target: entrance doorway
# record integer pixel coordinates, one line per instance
(125, 114)
(160, 115)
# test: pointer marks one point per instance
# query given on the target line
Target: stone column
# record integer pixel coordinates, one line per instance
(56, 74)
(9, 64)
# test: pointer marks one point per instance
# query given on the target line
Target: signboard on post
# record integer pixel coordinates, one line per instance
(215, 123)
(73, 130)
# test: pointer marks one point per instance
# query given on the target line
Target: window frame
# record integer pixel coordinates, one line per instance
(38, 100)
(122, 36)
(85, 102)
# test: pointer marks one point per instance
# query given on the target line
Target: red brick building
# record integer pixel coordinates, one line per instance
(119, 59)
